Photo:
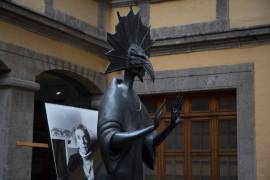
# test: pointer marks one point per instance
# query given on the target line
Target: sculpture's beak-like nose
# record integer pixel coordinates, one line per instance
(144, 59)
(150, 70)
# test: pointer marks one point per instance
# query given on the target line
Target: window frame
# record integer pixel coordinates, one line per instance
(212, 116)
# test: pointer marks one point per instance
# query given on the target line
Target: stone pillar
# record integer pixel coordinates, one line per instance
(145, 11)
(16, 124)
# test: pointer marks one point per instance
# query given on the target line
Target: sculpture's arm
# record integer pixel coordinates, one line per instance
(121, 139)
(175, 120)
(154, 139)
(160, 137)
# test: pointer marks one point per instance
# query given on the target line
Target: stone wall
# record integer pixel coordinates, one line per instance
(17, 91)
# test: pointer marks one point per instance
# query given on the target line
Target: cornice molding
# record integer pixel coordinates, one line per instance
(51, 28)
(118, 3)
(167, 40)
(121, 3)
(19, 83)
(211, 41)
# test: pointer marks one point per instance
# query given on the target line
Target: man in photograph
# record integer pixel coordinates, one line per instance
(80, 165)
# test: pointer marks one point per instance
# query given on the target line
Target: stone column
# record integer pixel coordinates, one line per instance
(145, 11)
(16, 124)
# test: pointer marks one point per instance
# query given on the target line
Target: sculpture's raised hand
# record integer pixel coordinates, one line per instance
(175, 119)
(176, 108)
(158, 114)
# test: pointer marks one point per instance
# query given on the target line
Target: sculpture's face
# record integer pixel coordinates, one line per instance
(139, 61)
(83, 141)
(136, 54)
(138, 71)
(141, 73)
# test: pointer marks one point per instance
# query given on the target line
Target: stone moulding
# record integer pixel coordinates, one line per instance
(209, 41)
(239, 77)
(167, 40)
(90, 39)
(19, 83)
(35, 63)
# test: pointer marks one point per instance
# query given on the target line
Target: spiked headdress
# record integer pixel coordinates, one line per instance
(130, 45)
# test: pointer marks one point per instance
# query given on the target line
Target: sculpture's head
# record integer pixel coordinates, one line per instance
(130, 47)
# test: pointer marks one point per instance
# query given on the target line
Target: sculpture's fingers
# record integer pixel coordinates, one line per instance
(177, 122)
(160, 107)
(179, 102)
(162, 104)
(159, 114)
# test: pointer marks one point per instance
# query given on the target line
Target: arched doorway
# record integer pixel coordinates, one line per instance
(59, 87)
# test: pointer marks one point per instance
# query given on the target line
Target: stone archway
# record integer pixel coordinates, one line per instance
(19, 68)
(82, 85)
(90, 79)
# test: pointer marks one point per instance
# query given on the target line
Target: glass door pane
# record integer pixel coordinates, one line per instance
(174, 168)
(175, 140)
(228, 167)
(226, 103)
(227, 134)
(200, 134)
(201, 168)
(200, 104)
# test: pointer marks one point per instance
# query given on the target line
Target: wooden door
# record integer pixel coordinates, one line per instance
(203, 146)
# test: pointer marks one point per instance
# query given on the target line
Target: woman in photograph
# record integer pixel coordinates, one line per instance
(80, 165)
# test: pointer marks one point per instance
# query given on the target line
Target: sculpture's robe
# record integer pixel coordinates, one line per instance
(122, 111)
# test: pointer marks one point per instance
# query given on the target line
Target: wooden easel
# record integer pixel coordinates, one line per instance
(31, 144)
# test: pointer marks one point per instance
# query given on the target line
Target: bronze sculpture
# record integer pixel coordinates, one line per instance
(126, 134)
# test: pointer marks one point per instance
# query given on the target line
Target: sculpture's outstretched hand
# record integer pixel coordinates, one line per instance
(158, 114)
(175, 119)
(122, 139)
(176, 108)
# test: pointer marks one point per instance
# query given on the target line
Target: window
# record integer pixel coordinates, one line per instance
(204, 145)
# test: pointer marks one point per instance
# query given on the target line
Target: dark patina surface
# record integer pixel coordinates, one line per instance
(127, 135)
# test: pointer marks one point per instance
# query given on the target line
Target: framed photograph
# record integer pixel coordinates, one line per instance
(73, 133)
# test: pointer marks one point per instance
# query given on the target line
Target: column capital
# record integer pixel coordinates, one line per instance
(19, 83)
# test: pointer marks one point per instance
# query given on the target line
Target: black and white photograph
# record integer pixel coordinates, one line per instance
(73, 133)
